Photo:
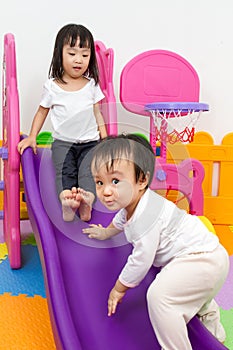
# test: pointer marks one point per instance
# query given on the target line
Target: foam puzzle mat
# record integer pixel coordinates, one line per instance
(24, 316)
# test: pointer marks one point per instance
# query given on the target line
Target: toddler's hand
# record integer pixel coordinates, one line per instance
(115, 297)
(96, 231)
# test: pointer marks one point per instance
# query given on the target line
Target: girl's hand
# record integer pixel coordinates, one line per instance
(96, 231)
(27, 142)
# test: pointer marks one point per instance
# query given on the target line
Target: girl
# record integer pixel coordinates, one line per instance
(71, 95)
(193, 263)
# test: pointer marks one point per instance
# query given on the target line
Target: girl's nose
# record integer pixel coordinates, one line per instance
(78, 58)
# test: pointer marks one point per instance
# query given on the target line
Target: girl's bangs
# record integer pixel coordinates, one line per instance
(72, 39)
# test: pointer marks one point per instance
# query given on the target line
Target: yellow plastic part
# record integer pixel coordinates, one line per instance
(207, 223)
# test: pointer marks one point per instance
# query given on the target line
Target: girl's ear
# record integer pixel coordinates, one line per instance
(144, 180)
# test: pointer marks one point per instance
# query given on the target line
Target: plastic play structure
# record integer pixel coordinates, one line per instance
(79, 272)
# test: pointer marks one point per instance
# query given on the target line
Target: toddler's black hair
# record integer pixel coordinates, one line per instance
(69, 35)
(129, 147)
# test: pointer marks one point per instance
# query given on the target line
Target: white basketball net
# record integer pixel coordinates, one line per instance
(175, 125)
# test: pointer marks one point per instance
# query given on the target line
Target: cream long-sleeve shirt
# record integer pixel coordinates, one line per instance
(159, 231)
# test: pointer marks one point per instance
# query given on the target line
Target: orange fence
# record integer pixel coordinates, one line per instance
(218, 182)
(218, 164)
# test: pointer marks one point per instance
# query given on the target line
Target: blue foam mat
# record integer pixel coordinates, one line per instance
(27, 280)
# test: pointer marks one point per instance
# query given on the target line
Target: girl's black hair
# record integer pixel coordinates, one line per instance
(131, 147)
(69, 35)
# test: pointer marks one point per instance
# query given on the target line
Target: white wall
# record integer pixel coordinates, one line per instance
(200, 31)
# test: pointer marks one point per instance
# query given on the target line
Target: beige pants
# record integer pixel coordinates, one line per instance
(184, 288)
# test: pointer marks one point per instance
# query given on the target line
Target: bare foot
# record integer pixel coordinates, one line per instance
(70, 201)
(85, 208)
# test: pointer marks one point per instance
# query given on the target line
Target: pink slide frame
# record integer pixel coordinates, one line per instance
(105, 60)
(9, 153)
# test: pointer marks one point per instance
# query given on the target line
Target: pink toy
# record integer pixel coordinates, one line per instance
(108, 105)
(9, 153)
(152, 84)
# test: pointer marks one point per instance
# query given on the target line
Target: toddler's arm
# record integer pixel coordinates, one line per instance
(117, 293)
(100, 232)
(37, 124)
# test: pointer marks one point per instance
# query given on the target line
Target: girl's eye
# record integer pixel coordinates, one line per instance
(71, 54)
(115, 181)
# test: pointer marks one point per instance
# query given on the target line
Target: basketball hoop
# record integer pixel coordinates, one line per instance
(175, 121)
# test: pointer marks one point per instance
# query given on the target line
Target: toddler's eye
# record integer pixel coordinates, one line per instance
(99, 183)
(115, 181)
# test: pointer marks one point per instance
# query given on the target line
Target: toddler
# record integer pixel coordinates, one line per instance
(194, 265)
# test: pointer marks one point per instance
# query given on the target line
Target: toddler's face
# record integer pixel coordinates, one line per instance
(117, 188)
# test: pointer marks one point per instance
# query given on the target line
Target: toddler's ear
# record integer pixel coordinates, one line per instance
(144, 180)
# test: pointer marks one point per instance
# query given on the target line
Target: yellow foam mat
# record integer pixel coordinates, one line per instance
(25, 323)
(3, 251)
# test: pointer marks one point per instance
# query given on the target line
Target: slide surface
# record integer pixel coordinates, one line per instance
(79, 273)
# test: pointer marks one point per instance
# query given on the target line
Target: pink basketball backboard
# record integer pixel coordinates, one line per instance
(157, 76)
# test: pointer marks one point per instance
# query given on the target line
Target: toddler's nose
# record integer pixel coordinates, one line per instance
(107, 190)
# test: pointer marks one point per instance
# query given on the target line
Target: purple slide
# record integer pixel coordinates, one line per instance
(79, 273)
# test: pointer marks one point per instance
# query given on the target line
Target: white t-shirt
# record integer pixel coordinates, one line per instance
(160, 231)
(71, 112)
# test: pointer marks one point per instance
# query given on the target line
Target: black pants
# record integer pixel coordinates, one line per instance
(72, 162)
